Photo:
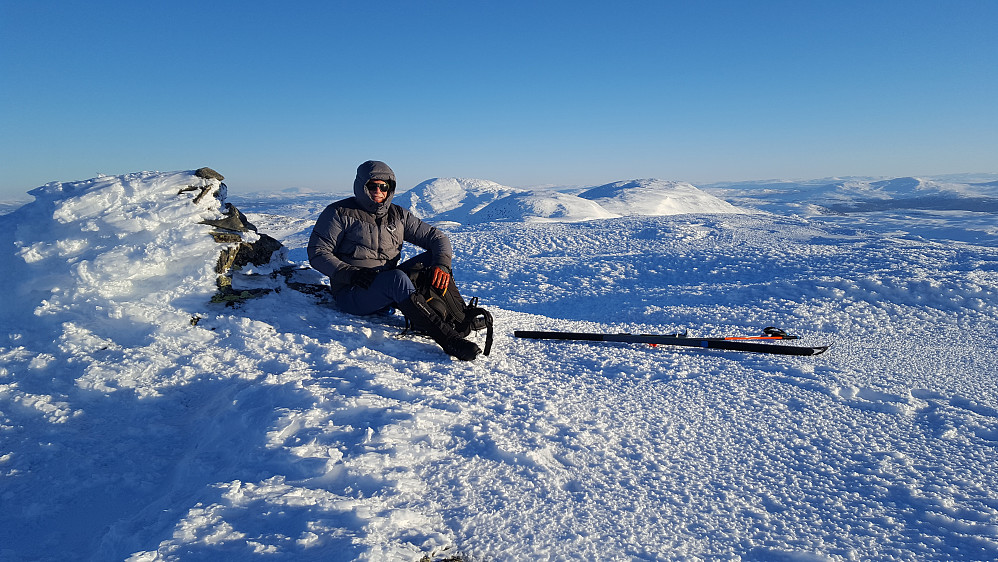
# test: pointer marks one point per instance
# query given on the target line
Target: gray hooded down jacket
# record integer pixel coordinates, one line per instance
(358, 232)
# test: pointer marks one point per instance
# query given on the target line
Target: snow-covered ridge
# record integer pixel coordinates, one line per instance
(452, 199)
(472, 201)
(652, 197)
(898, 189)
(966, 192)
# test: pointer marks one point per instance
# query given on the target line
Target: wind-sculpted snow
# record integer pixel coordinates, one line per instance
(140, 421)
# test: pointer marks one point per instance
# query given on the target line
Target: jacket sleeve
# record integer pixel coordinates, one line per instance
(326, 235)
(429, 238)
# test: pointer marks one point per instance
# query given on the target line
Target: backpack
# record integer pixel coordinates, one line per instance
(464, 317)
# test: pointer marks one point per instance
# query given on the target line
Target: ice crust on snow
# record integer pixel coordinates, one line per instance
(286, 430)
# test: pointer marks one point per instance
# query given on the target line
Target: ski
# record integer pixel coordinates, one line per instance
(735, 343)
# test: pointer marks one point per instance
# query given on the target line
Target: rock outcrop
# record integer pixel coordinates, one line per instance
(244, 247)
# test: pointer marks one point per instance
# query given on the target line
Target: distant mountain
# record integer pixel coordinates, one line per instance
(472, 201)
(899, 188)
(452, 199)
(912, 193)
(10, 206)
(863, 194)
(542, 206)
(656, 197)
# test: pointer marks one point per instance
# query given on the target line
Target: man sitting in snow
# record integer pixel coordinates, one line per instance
(357, 242)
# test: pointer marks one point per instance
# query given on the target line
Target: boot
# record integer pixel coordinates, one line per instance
(425, 320)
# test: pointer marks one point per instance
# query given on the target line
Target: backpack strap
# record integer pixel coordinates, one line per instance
(473, 311)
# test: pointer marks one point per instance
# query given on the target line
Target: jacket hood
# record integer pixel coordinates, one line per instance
(373, 170)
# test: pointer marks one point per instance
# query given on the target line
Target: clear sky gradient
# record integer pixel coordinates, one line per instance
(296, 94)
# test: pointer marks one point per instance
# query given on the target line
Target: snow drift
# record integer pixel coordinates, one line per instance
(112, 264)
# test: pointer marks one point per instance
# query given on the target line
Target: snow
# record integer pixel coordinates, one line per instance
(140, 421)
(656, 197)
(540, 207)
(453, 199)
(473, 201)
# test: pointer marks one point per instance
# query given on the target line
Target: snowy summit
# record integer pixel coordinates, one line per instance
(452, 199)
(167, 394)
(468, 201)
(656, 198)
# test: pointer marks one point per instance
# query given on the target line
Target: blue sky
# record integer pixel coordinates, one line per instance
(296, 94)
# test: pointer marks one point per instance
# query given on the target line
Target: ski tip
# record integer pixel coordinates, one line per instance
(818, 350)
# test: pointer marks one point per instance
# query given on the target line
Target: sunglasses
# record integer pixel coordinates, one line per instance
(372, 187)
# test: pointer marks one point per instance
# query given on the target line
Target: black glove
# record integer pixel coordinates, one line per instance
(363, 277)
